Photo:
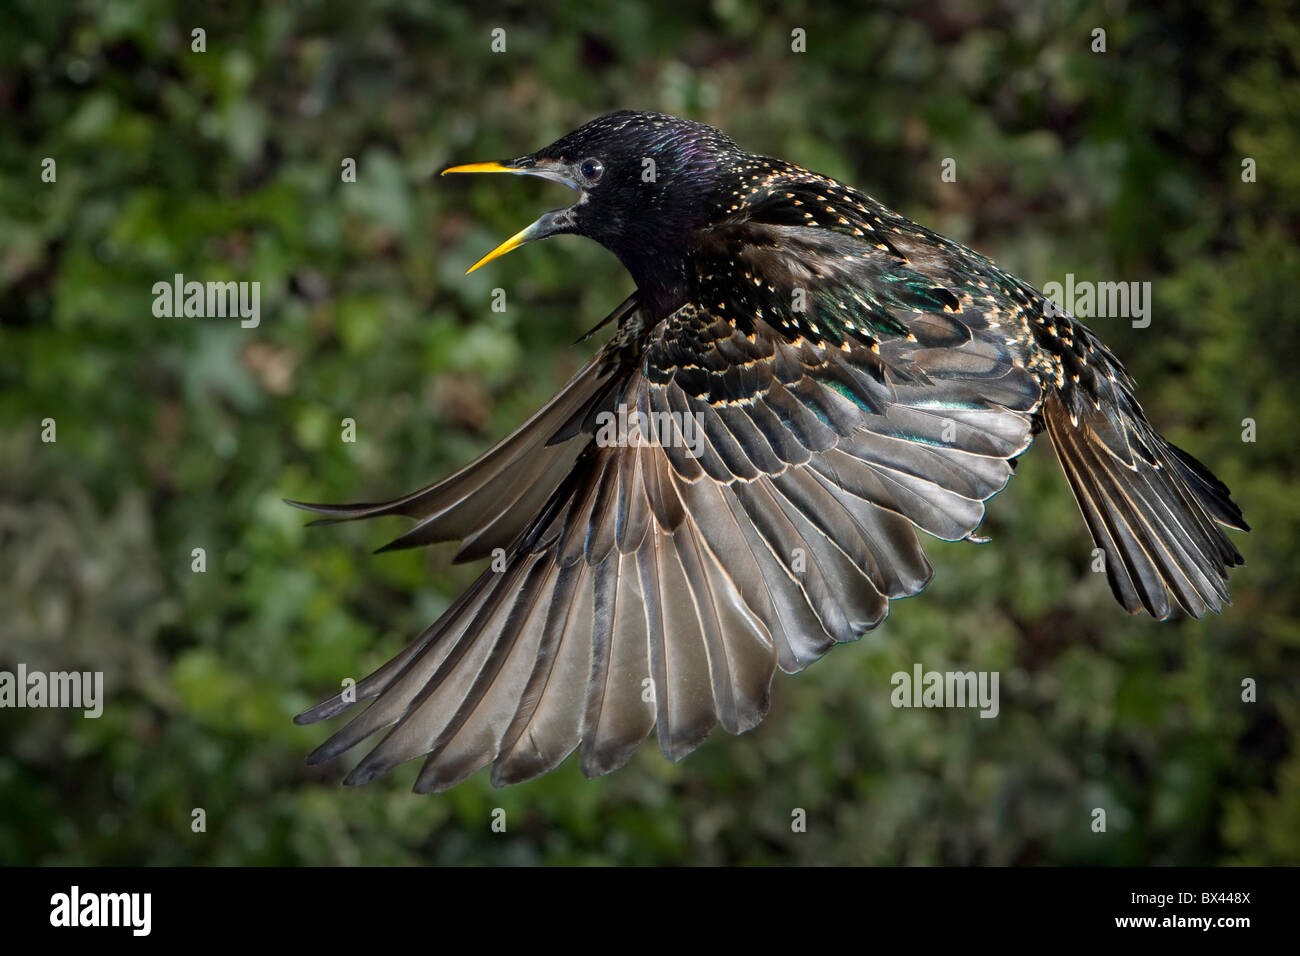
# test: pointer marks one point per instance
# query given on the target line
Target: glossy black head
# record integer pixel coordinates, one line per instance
(645, 181)
(642, 176)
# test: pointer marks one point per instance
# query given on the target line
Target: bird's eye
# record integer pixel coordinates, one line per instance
(591, 169)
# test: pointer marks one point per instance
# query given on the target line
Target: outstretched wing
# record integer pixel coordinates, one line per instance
(758, 504)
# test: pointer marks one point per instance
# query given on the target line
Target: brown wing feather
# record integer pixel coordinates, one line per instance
(658, 586)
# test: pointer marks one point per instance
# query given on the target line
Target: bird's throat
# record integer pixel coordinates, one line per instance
(662, 281)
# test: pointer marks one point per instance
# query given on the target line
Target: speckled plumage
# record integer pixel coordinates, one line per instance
(855, 376)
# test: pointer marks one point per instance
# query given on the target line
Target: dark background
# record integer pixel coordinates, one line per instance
(182, 433)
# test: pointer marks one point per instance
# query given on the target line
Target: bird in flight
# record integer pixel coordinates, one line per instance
(804, 379)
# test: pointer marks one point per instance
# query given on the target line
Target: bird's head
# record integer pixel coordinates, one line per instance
(645, 181)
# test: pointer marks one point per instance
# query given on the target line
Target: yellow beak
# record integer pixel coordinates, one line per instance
(510, 245)
(549, 224)
(480, 168)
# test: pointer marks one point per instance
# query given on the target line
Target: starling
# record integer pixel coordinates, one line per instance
(810, 378)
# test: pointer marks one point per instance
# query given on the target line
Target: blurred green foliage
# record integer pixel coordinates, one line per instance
(175, 434)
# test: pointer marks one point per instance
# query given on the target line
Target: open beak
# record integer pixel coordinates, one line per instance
(548, 224)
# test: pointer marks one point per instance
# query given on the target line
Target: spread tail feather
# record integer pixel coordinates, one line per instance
(1153, 510)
